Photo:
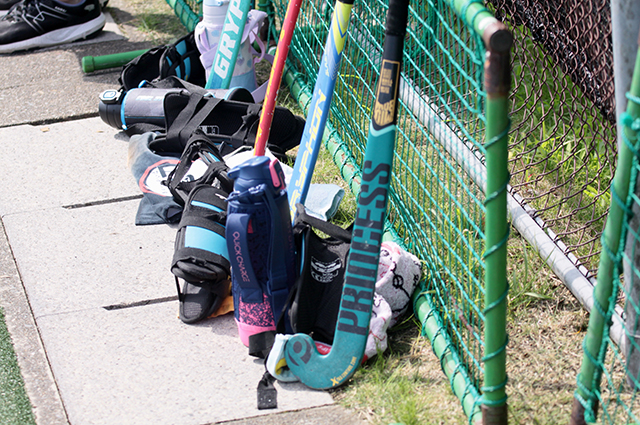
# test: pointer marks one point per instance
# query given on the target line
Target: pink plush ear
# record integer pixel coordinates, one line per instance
(377, 338)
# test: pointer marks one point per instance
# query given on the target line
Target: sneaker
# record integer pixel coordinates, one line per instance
(5, 5)
(40, 23)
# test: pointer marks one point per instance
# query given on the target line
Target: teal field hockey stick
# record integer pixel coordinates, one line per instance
(332, 369)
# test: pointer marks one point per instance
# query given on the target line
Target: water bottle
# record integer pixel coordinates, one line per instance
(207, 34)
(260, 243)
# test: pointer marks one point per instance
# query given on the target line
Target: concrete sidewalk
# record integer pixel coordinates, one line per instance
(88, 297)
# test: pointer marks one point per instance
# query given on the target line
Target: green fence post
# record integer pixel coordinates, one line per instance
(188, 17)
(585, 400)
(497, 82)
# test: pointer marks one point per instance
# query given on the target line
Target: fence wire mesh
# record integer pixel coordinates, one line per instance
(563, 134)
(434, 207)
(436, 200)
(189, 12)
(608, 385)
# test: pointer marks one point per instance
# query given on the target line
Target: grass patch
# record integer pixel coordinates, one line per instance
(156, 20)
(544, 359)
(524, 269)
(546, 327)
(15, 407)
(404, 385)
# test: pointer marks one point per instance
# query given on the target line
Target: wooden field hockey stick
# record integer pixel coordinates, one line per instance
(282, 50)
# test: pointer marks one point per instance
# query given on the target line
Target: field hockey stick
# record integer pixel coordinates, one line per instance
(229, 45)
(269, 106)
(319, 107)
(330, 370)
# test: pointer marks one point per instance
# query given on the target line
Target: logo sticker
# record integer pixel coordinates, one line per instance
(152, 181)
(386, 98)
(325, 272)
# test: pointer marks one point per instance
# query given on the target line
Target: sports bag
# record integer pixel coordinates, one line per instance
(317, 291)
(314, 299)
(180, 59)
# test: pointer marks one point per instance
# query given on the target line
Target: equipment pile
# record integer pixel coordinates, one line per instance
(196, 150)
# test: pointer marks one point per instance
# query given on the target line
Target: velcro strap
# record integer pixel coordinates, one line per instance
(260, 344)
(198, 147)
(201, 255)
(267, 393)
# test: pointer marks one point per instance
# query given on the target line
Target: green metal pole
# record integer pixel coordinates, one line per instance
(95, 63)
(484, 24)
(591, 373)
(497, 82)
(188, 17)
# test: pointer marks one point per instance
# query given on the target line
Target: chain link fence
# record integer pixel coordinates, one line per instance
(563, 134)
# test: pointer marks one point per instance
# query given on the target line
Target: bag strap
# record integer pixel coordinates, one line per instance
(180, 129)
(277, 260)
(304, 219)
(210, 103)
(191, 118)
(237, 230)
(244, 135)
(226, 144)
(198, 147)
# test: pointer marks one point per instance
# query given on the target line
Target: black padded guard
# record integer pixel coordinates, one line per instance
(198, 143)
(197, 266)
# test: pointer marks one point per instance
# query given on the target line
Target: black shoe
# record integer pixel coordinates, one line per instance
(5, 5)
(40, 23)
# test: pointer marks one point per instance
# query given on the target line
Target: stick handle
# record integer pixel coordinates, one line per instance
(354, 315)
(268, 108)
(96, 63)
(320, 104)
